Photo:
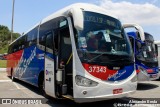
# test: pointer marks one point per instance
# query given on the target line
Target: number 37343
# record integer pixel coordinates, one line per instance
(97, 69)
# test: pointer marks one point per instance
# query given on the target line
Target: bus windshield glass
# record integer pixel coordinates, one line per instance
(102, 36)
(149, 52)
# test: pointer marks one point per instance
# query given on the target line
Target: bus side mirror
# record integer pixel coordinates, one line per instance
(78, 19)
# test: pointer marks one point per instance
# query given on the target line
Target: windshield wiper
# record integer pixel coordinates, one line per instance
(96, 57)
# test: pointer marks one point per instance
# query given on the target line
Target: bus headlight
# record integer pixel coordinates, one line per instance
(82, 81)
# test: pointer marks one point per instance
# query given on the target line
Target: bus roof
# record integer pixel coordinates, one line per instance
(66, 10)
(83, 6)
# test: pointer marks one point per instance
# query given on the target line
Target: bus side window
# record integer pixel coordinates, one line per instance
(46, 27)
(10, 50)
(42, 34)
(21, 42)
(42, 40)
(32, 37)
(49, 40)
(22, 46)
(16, 46)
(56, 41)
(132, 42)
(65, 48)
(138, 35)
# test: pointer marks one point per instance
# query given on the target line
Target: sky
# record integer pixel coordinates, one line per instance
(29, 12)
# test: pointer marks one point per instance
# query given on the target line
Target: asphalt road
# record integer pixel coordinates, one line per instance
(19, 89)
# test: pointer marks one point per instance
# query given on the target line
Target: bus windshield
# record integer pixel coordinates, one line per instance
(149, 52)
(102, 36)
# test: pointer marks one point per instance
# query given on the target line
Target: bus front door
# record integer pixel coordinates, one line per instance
(49, 74)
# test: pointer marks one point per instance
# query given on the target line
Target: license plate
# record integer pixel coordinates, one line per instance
(154, 76)
(117, 91)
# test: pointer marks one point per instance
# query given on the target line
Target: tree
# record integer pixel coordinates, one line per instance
(5, 37)
(4, 33)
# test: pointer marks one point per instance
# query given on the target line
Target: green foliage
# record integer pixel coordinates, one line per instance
(3, 63)
(5, 38)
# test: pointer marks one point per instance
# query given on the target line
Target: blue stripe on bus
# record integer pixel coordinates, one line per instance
(31, 64)
(123, 73)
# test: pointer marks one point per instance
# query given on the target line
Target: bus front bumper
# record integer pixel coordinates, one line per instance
(154, 76)
(103, 92)
(103, 97)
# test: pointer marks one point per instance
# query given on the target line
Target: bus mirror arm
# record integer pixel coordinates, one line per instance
(77, 15)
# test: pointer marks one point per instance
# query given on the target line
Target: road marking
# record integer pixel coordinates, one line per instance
(22, 90)
(18, 89)
(16, 85)
(5, 80)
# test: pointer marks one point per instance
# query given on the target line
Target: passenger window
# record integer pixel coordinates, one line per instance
(49, 40)
(32, 37)
(138, 35)
(46, 27)
(132, 42)
(56, 41)
(65, 47)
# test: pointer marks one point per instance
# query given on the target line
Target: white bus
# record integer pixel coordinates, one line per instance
(158, 51)
(145, 53)
(78, 52)
(158, 46)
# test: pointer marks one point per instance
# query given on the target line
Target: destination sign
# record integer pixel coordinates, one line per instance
(102, 19)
